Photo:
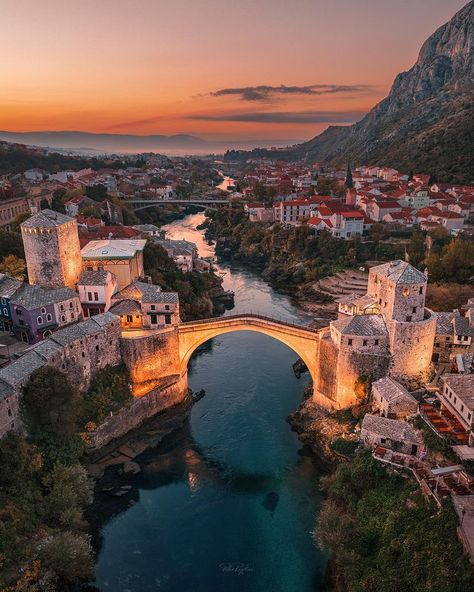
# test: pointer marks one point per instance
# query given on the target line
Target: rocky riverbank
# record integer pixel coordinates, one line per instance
(322, 432)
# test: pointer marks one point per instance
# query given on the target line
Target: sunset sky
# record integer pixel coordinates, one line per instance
(220, 69)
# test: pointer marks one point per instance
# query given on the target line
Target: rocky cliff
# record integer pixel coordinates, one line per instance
(426, 121)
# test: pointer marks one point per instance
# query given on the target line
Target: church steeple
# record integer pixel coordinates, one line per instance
(349, 182)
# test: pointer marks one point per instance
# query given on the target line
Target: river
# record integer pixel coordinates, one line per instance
(228, 505)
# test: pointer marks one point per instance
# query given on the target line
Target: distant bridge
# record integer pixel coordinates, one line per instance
(142, 204)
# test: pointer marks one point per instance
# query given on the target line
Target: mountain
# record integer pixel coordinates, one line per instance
(104, 142)
(426, 123)
(118, 143)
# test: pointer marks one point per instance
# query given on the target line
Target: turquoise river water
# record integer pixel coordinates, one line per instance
(228, 505)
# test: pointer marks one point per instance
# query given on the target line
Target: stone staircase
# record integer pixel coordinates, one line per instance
(343, 282)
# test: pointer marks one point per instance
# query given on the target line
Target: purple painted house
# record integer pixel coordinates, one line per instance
(37, 312)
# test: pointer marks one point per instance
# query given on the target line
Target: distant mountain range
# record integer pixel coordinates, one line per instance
(116, 143)
(426, 123)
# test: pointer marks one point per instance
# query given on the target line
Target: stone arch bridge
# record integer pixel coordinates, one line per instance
(156, 358)
(302, 340)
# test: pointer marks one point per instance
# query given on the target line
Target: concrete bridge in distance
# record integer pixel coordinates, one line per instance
(143, 204)
(304, 341)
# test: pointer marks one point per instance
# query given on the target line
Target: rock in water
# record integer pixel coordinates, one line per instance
(271, 501)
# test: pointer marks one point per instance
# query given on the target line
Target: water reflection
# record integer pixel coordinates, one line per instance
(227, 503)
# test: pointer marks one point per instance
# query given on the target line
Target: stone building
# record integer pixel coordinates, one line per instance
(78, 350)
(37, 312)
(352, 348)
(123, 258)
(143, 305)
(399, 436)
(52, 250)
(457, 395)
(386, 332)
(8, 287)
(454, 335)
(96, 289)
(392, 399)
(400, 291)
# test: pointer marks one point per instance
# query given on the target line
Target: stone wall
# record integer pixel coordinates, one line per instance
(326, 376)
(53, 255)
(149, 358)
(411, 345)
(172, 391)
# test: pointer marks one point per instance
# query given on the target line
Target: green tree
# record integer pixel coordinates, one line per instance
(57, 203)
(108, 392)
(51, 410)
(14, 267)
(68, 554)
(416, 249)
(68, 491)
(97, 192)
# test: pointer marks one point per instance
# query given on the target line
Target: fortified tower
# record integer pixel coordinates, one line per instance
(400, 291)
(52, 249)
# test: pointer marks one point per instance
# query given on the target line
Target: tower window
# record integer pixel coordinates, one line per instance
(414, 309)
(364, 342)
(349, 342)
(421, 289)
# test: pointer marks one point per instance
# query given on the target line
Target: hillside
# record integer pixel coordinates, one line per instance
(426, 122)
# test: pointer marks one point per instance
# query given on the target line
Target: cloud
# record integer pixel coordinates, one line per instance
(264, 92)
(285, 117)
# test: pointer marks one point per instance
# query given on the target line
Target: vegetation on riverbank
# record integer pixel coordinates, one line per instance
(384, 535)
(44, 489)
(293, 258)
(195, 289)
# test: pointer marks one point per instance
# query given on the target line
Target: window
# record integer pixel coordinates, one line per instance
(406, 291)
(376, 342)
(96, 296)
(152, 307)
(97, 348)
(39, 320)
(409, 318)
(421, 289)
(153, 319)
(72, 315)
(49, 318)
(462, 408)
(129, 319)
(89, 295)
(61, 307)
(63, 319)
(3, 301)
(167, 306)
(413, 309)
(70, 304)
(349, 342)
(364, 342)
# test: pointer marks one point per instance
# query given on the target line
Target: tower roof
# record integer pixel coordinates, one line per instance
(400, 272)
(46, 219)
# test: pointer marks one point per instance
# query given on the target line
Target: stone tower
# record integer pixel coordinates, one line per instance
(400, 291)
(52, 249)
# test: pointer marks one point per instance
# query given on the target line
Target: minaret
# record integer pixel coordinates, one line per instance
(349, 182)
(52, 249)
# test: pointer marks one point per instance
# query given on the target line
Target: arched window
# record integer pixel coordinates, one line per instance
(39, 320)
(49, 318)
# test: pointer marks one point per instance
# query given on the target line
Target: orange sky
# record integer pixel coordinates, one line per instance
(155, 66)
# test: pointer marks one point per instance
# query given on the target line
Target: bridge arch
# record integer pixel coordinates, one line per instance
(303, 341)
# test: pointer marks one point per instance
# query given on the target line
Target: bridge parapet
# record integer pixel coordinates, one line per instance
(251, 318)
